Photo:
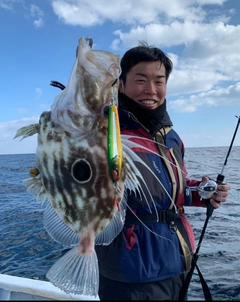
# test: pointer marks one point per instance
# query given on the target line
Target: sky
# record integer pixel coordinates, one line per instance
(202, 38)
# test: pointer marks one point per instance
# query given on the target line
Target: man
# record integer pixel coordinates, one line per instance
(149, 258)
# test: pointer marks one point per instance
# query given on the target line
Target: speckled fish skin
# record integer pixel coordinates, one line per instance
(72, 160)
(80, 198)
(75, 175)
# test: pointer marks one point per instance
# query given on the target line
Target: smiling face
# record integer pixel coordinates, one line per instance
(146, 84)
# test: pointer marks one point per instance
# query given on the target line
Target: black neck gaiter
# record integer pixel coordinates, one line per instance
(152, 119)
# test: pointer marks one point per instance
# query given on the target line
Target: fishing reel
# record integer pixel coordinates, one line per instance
(205, 189)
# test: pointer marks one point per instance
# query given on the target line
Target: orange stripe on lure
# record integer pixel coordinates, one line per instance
(114, 144)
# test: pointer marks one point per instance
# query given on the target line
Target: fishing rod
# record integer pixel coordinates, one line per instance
(206, 189)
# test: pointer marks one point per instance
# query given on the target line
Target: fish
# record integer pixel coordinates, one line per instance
(82, 172)
(84, 168)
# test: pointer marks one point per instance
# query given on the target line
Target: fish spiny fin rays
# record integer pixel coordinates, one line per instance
(82, 280)
(27, 131)
(106, 236)
(57, 229)
(131, 182)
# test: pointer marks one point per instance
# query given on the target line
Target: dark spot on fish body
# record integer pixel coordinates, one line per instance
(69, 135)
(49, 185)
(87, 122)
(104, 131)
(58, 138)
(55, 164)
(81, 171)
(48, 177)
(71, 215)
(103, 189)
(124, 168)
(64, 185)
(94, 103)
(44, 162)
(98, 138)
(49, 136)
(44, 128)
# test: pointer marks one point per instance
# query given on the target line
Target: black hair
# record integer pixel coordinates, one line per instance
(144, 53)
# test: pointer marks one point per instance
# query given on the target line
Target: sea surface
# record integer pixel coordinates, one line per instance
(26, 250)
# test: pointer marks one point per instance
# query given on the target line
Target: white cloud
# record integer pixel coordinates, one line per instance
(89, 13)
(228, 96)
(209, 52)
(38, 23)
(8, 130)
(190, 79)
(9, 4)
(209, 46)
(198, 35)
(37, 13)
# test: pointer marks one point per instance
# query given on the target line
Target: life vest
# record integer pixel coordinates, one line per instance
(149, 250)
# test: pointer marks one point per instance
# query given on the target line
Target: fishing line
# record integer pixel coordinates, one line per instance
(201, 190)
(128, 137)
(136, 145)
(154, 233)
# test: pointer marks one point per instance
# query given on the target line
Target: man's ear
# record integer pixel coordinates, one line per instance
(121, 86)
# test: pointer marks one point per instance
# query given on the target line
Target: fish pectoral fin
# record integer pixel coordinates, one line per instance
(34, 186)
(27, 131)
(76, 273)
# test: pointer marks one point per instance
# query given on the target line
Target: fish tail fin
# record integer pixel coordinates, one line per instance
(76, 273)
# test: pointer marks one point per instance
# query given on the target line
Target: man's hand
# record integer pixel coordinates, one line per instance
(220, 195)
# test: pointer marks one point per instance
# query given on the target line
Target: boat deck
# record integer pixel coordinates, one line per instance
(19, 288)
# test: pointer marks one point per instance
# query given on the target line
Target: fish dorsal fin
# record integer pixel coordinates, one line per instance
(27, 131)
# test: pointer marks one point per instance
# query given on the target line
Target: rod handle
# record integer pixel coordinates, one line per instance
(210, 208)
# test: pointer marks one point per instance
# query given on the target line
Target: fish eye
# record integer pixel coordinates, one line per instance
(104, 110)
(81, 170)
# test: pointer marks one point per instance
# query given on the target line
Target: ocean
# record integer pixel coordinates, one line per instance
(28, 251)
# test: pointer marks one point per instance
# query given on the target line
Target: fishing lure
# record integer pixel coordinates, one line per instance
(114, 144)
